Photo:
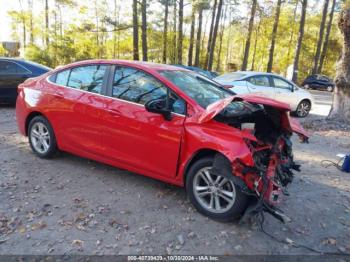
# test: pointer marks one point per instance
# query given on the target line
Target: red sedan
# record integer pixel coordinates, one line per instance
(167, 123)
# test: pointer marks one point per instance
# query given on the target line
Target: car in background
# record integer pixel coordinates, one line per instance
(167, 123)
(269, 85)
(13, 72)
(319, 82)
(209, 74)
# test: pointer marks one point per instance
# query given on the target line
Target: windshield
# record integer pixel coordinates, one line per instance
(231, 76)
(200, 89)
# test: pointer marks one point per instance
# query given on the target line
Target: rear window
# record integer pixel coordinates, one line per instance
(7, 67)
(46, 68)
(231, 76)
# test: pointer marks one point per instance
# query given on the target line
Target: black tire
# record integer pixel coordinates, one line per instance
(52, 145)
(300, 112)
(240, 202)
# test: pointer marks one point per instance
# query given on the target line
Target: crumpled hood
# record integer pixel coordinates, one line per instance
(215, 108)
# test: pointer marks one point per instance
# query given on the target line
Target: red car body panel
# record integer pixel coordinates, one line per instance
(126, 135)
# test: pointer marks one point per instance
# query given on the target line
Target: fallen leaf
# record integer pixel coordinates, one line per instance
(329, 241)
(22, 230)
(289, 241)
(40, 225)
(77, 242)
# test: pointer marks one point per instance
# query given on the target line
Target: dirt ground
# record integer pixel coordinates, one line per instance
(71, 205)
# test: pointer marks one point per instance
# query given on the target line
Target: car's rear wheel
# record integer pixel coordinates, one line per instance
(42, 139)
(303, 108)
(214, 196)
(330, 88)
(307, 86)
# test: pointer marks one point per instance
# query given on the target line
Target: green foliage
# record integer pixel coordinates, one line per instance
(37, 54)
(91, 34)
(2, 51)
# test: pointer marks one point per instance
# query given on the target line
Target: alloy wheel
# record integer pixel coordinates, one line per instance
(40, 137)
(303, 109)
(214, 193)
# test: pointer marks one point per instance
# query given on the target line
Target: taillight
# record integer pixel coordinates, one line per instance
(228, 86)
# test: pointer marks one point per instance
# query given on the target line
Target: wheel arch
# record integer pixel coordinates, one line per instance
(199, 154)
(30, 117)
(308, 100)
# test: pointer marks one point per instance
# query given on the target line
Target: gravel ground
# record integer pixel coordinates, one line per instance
(71, 205)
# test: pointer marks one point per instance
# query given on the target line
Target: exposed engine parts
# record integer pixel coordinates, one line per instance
(272, 155)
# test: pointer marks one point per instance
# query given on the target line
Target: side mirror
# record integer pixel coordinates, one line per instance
(159, 106)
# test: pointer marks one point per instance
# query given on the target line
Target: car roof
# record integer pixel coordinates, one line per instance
(251, 73)
(12, 58)
(138, 64)
(22, 61)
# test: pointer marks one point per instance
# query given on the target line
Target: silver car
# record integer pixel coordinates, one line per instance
(271, 86)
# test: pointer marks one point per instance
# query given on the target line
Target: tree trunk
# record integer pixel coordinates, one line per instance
(115, 29)
(273, 36)
(250, 30)
(47, 22)
(221, 35)
(215, 33)
(204, 33)
(210, 34)
(31, 26)
(144, 30)
(328, 32)
(228, 40)
(23, 19)
(174, 35)
(97, 31)
(118, 33)
(292, 33)
(165, 31)
(199, 37)
(299, 42)
(135, 23)
(180, 37)
(320, 37)
(255, 44)
(341, 97)
(190, 48)
(61, 22)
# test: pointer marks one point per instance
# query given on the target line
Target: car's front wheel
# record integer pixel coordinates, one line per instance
(303, 108)
(42, 139)
(214, 196)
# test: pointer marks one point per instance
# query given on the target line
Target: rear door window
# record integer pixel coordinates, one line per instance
(259, 80)
(87, 78)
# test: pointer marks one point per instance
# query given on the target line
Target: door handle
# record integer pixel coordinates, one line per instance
(114, 112)
(58, 95)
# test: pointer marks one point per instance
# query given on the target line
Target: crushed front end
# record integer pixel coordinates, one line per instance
(271, 148)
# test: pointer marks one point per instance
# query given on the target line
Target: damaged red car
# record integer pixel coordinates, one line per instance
(167, 123)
